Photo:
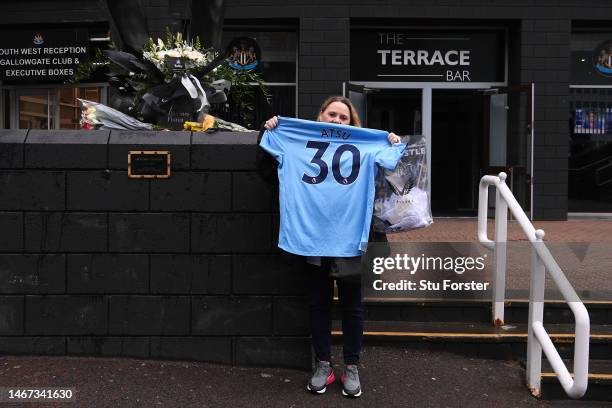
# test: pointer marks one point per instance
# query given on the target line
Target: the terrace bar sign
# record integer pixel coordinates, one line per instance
(427, 56)
(47, 55)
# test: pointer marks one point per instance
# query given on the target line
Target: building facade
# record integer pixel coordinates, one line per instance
(519, 86)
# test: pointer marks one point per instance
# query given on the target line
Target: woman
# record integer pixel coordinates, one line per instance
(321, 270)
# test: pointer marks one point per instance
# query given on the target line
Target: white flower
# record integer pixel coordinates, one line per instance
(194, 55)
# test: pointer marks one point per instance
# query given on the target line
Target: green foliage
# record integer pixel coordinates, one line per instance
(243, 93)
(86, 70)
(149, 46)
(170, 37)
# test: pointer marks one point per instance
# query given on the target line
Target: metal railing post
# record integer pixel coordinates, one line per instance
(501, 237)
(542, 261)
(483, 210)
(536, 314)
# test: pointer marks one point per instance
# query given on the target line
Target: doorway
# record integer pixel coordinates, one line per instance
(457, 131)
(472, 131)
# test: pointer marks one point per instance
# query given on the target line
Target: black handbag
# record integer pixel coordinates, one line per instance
(346, 269)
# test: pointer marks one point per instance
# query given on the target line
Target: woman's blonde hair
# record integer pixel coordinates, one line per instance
(354, 121)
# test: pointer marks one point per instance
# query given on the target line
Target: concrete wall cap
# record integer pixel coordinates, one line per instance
(66, 136)
(13, 135)
(138, 137)
(225, 138)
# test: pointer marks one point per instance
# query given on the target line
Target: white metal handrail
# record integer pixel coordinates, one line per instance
(541, 261)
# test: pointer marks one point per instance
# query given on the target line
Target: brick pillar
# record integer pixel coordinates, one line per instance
(323, 61)
(546, 62)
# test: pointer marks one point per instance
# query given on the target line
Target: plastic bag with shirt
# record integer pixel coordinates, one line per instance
(402, 200)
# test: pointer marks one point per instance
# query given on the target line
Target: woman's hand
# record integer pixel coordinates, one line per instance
(271, 123)
(392, 137)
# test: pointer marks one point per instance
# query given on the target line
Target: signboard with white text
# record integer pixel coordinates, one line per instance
(47, 55)
(427, 56)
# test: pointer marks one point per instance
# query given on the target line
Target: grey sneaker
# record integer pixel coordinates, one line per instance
(322, 377)
(351, 387)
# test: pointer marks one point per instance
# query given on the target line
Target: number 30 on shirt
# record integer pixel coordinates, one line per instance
(323, 167)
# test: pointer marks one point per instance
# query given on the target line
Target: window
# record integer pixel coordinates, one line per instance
(590, 125)
(278, 69)
(51, 108)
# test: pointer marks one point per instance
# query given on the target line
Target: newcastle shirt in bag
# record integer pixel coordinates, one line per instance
(326, 173)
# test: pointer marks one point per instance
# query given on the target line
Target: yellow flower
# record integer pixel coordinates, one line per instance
(208, 123)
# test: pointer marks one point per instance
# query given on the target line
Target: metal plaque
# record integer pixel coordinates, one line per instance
(148, 164)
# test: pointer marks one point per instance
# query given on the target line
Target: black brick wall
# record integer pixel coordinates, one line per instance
(95, 263)
(546, 61)
(539, 51)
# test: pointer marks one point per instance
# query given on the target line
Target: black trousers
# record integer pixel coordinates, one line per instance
(321, 292)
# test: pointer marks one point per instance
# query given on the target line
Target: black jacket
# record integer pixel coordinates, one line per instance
(267, 166)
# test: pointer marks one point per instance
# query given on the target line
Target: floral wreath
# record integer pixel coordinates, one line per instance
(173, 85)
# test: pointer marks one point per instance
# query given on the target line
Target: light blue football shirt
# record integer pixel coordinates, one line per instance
(326, 173)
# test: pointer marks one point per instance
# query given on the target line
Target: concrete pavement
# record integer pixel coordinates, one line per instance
(391, 377)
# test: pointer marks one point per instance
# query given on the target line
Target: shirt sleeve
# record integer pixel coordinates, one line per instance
(390, 156)
(273, 143)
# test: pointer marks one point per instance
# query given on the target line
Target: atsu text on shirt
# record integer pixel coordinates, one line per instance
(326, 173)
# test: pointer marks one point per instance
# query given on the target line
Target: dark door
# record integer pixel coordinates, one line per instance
(395, 110)
(456, 162)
